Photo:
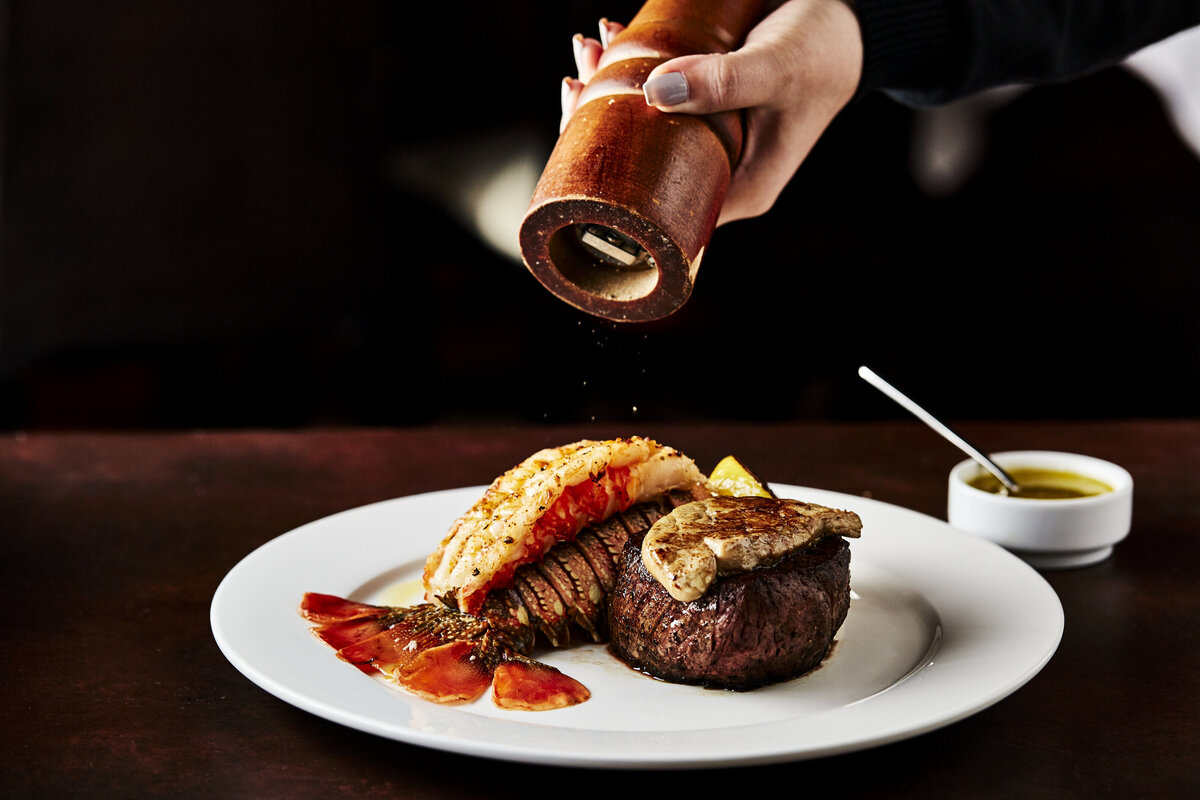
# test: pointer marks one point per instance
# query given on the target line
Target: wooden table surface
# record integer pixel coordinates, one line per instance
(113, 544)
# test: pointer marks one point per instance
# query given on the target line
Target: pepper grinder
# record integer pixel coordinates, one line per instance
(630, 196)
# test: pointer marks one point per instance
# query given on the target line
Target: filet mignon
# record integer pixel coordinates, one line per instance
(748, 630)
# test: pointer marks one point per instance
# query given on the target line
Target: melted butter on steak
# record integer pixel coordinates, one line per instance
(686, 550)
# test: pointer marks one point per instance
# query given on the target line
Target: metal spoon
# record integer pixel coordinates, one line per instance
(891, 391)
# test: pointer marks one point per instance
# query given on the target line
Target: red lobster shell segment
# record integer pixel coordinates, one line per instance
(330, 608)
(527, 685)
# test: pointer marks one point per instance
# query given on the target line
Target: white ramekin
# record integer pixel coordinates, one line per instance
(1048, 534)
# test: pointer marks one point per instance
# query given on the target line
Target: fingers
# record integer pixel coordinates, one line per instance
(587, 53)
(570, 91)
(609, 31)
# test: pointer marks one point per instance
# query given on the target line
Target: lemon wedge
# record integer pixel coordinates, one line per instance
(730, 478)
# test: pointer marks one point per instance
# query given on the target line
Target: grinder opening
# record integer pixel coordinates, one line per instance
(613, 247)
(603, 262)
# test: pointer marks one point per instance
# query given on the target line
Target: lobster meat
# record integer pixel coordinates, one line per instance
(537, 554)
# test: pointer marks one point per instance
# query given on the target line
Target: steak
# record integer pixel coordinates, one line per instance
(748, 630)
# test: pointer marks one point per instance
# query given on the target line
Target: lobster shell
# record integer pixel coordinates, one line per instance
(444, 655)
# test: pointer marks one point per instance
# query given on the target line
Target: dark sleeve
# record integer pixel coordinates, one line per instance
(926, 52)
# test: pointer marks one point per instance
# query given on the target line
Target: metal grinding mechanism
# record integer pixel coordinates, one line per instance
(629, 199)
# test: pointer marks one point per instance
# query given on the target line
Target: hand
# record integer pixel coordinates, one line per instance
(797, 69)
(587, 56)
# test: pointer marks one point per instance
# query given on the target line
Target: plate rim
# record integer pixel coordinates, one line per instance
(843, 724)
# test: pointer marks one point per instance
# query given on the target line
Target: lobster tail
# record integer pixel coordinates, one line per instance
(447, 656)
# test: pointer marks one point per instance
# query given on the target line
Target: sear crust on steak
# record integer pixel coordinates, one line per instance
(749, 630)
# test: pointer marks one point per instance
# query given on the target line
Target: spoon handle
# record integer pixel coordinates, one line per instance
(879, 383)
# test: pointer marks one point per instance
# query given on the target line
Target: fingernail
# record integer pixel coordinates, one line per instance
(605, 33)
(667, 89)
(577, 46)
(565, 91)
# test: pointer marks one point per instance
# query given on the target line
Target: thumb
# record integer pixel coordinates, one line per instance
(705, 84)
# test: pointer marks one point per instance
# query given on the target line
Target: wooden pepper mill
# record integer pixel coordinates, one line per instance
(629, 198)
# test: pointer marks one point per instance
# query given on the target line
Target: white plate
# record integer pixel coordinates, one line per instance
(941, 625)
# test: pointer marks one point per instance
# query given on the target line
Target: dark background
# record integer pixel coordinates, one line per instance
(244, 214)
